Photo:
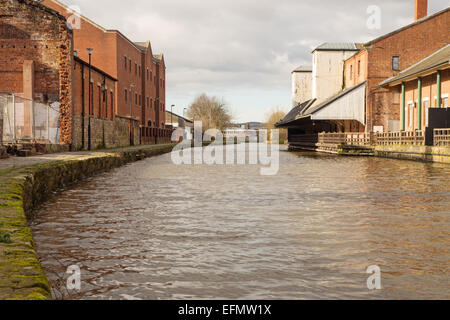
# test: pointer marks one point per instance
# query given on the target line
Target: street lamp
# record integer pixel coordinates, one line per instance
(89, 50)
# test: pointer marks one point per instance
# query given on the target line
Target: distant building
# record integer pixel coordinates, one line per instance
(301, 85)
(177, 121)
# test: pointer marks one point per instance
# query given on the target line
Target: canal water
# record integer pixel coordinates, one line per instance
(155, 230)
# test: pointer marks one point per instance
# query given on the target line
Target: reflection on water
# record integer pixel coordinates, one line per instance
(153, 230)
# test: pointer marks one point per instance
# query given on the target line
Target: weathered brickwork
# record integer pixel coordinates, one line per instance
(410, 44)
(33, 32)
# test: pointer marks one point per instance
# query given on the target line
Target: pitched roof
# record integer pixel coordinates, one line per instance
(295, 113)
(314, 108)
(338, 46)
(437, 60)
(76, 58)
(303, 69)
(143, 45)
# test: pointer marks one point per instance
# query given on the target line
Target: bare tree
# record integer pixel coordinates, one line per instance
(274, 116)
(213, 112)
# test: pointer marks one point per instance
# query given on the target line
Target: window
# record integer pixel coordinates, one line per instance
(396, 63)
(445, 102)
(426, 106)
(135, 68)
(411, 112)
(135, 98)
(91, 98)
(151, 103)
(148, 102)
(126, 95)
(112, 105)
(359, 67)
(351, 72)
(139, 71)
(129, 65)
(140, 100)
(151, 76)
(125, 64)
(147, 74)
(105, 104)
(99, 111)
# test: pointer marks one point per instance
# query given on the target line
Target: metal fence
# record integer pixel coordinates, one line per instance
(26, 120)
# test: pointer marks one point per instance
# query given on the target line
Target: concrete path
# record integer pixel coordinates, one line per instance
(18, 162)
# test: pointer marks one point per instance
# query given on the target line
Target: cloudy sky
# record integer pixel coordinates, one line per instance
(243, 50)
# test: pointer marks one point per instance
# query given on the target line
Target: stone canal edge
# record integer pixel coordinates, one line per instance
(24, 188)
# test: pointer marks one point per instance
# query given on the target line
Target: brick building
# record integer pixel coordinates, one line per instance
(96, 118)
(36, 57)
(387, 55)
(140, 87)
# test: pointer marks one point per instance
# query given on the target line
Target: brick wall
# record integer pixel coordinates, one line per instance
(105, 133)
(30, 31)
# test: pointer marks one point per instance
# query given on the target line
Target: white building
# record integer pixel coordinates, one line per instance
(301, 85)
(328, 69)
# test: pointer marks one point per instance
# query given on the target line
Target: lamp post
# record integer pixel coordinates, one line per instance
(89, 50)
(171, 114)
(131, 115)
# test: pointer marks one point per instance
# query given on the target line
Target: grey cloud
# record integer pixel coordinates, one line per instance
(217, 44)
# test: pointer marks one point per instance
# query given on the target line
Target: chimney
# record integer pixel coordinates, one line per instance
(421, 9)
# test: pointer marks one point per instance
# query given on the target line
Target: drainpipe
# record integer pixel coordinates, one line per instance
(438, 91)
(403, 108)
(83, 104)
(419, 105)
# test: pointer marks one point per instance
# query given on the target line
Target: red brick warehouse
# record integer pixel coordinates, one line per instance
(140, 74)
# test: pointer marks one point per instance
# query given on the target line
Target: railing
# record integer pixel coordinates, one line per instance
(358, 139)
(401, 138)
(26, 120)
(442, 137)
(332, 138)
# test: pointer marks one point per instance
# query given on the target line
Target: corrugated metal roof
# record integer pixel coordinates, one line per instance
(294, 113)
(315, 108)
(436, 60)
(338, 46)
(303, 69)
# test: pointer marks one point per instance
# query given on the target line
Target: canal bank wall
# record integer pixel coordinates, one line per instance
(440, 154)
(24, 188)
(415, 153)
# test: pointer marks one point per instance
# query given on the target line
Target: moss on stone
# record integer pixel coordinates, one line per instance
(22, 189)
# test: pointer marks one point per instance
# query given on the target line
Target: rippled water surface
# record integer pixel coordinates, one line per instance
(154, 230)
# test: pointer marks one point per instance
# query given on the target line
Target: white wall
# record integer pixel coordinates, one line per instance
(348, 107)
(301, 87)
(328, 73)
